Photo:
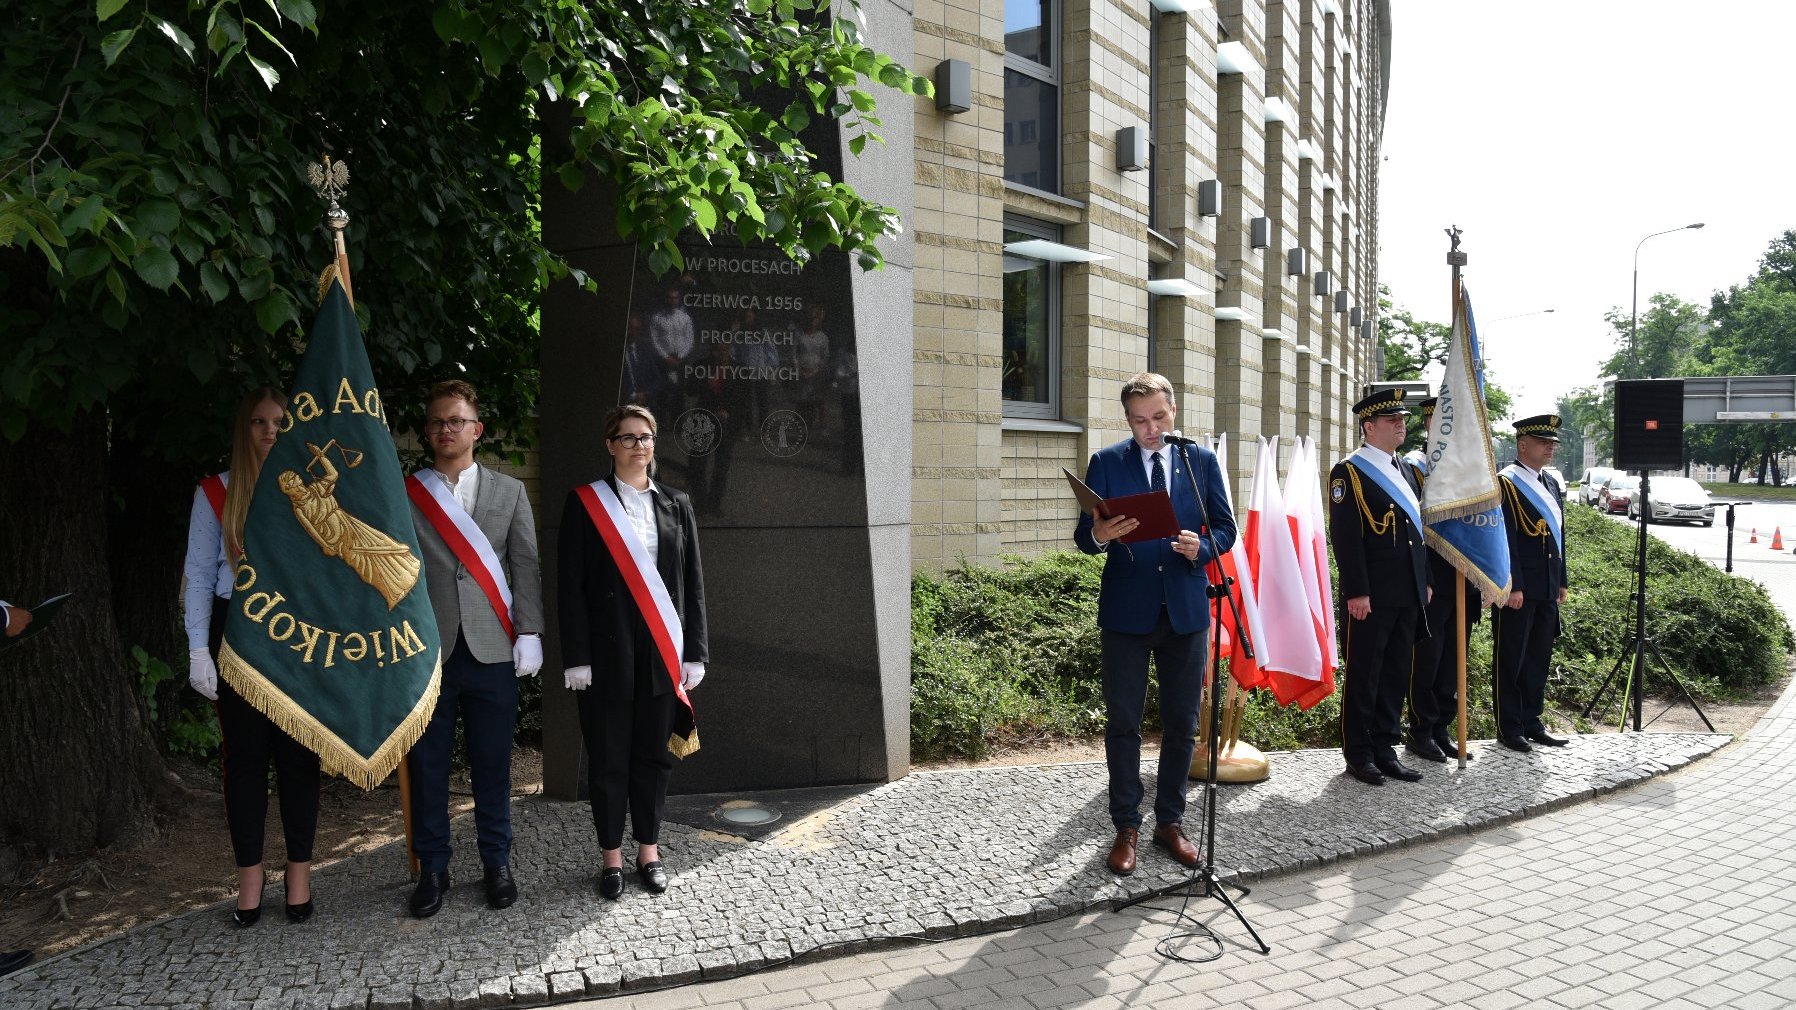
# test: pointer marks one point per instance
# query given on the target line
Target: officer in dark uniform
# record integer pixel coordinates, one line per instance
(1375, 527)
(1524, 627)
(1434, 665)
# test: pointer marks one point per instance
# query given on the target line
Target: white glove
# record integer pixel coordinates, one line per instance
(691, 674)
(577, 678)
(202, 673)
(527, 655)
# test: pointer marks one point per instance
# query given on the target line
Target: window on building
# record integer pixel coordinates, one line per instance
(1031, 377)
(1032, 93)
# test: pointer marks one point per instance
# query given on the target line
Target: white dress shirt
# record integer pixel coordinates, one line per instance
(465, 487)
(1147, 464)
(208, 570)
(640, 507)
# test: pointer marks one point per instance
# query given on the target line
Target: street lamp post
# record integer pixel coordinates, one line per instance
(1634, 317)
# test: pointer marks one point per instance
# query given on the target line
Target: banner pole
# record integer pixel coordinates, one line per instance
(330, 180)
(1457, 259)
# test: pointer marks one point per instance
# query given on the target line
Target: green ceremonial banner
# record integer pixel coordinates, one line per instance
(330, 631)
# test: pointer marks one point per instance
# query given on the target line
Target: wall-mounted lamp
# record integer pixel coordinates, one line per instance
(1131, 149)
(1324, 284)
(1209, 198)
(1297, 262)
(1365, 330)
(953, 86)
(1354, 317)
(1340, 301)
(1259, 233)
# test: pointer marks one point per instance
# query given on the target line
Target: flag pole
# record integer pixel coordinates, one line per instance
(1457, 259)
(330, 180)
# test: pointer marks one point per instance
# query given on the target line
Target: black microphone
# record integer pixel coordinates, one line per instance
(1176, 437)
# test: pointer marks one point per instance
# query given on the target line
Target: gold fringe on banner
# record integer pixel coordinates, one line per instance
(335, 756)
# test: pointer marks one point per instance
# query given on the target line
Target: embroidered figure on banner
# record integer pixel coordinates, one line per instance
(382, 562)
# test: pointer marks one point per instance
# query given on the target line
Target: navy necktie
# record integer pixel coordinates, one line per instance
(1157, 478)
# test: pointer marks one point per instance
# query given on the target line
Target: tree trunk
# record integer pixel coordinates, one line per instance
(81, 767)
(147, 526)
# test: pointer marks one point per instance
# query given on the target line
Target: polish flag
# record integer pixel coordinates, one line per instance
(1303, 508)
(1287, 644)
(1237, 564)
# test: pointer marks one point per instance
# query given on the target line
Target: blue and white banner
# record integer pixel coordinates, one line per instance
(1460, 502)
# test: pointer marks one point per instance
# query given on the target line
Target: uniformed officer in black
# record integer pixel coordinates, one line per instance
(1524, 627)
(1434, 664)
(1375, 528)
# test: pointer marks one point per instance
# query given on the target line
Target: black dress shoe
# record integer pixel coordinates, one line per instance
(13, 960)
(1395, 769)
(1451, 749)
(1515, 743)
(1541, 737)
(1367, 773)
(611, 883)
(297, 913)
(501, 890)
(1426, 750)
(653, 877)
(246, 917)
(427, 900)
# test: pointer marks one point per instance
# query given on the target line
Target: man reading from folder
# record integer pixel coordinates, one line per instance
(1153, 601)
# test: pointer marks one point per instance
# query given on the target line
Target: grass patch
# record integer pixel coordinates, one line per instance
(1011, 654)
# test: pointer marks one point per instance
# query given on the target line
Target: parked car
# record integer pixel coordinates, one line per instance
(1590, 489)
(1559, 478)
(1618, 493)
(1676, 499)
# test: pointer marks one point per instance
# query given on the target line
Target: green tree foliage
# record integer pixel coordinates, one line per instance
(1411, 345)
(1669, 330)
(159, 242)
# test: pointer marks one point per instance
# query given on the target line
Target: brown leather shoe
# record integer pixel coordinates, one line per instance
(1122, 852)
(1172, 838)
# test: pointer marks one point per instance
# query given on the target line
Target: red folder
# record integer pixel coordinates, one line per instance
(1152, 509)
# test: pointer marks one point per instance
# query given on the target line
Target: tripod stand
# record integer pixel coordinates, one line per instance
(1219, 592)
(1639, 642)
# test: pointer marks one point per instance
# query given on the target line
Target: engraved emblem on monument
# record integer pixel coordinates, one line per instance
(698, 431)
(783, 433)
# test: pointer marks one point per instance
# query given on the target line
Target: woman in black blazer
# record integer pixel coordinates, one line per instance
(629, 704)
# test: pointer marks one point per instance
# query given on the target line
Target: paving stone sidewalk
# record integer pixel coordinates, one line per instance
(937, 854)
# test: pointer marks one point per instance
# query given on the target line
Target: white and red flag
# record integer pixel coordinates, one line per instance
(1237, 564)
(1287, 645)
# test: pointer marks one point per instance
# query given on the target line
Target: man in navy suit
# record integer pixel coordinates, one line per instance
(1154, 601)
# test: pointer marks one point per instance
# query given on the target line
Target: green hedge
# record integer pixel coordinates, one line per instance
(1004, 655)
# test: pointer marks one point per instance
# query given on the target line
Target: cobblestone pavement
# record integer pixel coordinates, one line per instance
(939, 854)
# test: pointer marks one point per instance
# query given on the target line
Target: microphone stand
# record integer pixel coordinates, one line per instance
(1219, 591)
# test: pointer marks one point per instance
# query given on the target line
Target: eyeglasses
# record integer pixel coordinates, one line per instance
(632, 441)
(455, 424)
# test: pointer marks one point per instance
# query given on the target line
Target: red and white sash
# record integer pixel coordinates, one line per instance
(431, 494)
(641, 575)
(214, 486)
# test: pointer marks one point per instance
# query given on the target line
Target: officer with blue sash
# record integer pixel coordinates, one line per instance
(1524, 627)
(1375, 528)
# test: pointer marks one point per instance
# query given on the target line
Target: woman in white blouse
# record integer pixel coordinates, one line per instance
(249, 740)
(629, 706)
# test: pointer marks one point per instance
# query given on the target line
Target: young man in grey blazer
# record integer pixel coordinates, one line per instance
(482, 662)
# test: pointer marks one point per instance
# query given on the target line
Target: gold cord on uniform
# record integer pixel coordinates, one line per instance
(1379, 528)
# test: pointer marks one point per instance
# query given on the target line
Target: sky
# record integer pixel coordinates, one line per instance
(1557, 136)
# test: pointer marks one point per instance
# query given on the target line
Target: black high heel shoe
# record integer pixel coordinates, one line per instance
(296, 913)
(246, 917)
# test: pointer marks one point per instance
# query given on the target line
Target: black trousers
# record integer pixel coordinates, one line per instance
(1434, 669)
(249, 742)
(627, 760)
(1378, 656)
(485, 695)
(1523, 642)
(1179, 664)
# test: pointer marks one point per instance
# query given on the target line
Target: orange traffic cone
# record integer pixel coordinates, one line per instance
(1777, 539)
(1755, 536)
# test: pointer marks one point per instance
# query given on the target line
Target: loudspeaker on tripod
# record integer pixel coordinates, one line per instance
(1649, 424)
